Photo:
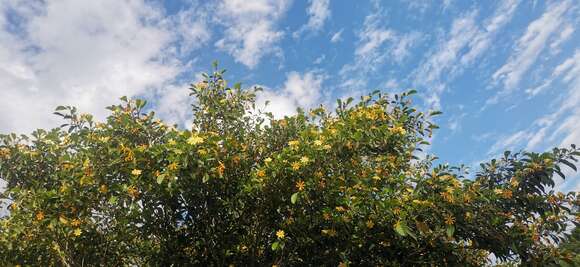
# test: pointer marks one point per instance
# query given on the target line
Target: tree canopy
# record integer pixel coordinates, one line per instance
(342, 187)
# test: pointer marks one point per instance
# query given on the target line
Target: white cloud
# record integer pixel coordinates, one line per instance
(465, 42)
(556, 128)
(530, 45)
(509, 142)
(250, 28)
(492, 25)
(376, 45)
(337, 37)
(392, 84)
(192, 26)
(318, 13)
(444, 58)
(319, 59)
(299, 90)
(87, 58)
(564, 35)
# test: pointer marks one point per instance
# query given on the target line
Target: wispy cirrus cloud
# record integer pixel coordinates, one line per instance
(337, 36)
(376, 45)
(529, 47)
(465, 42)
(558, 127)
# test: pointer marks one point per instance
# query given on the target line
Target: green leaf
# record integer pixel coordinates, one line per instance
(294, 198)
(567, 163)
(160, 178)
(400, 228)
(435, 113)
(275, 245)
(450, 230)
(113, 200)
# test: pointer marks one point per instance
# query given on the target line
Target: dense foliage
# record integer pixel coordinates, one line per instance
(240, 187)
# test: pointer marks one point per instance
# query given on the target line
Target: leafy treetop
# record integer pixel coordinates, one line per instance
(243, 188)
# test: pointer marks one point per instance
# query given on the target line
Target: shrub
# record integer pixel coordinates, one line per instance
(243, 188)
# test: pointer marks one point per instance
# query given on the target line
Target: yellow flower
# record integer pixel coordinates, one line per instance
(103, 188)
(318, 142)
(172, 166)
(172, 142)
(329, 232)
(77, 232)
(507, 194)
(296, 166)
(514, 182)
(63, 220)
(194, 140)
(293, 143)
(261, 173)
(326, 216)
(40, 216)
(136, 172)
(498, 191)
(396, 211)
(268, 160)
(327, 147)
(132, 191)
(221, 168)
(449, 220)
(75, 222)
(280, 234)
(201, 85)
(447, 197)
(304, 160)
(370, 224)
(339, 208)
(468, 216)
(300, 185)
(398, 130)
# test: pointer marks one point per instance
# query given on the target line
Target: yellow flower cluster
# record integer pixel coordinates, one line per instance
(398, 130)
(194, 140)
(293, 143)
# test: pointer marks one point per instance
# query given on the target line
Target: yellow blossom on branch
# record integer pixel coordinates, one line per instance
(280, 234)
(40, 216)
(449, 220)
(194, 140)
(296, 166)
(77, 232)
(300, 185)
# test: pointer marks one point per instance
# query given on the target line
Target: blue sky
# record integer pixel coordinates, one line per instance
(506, 74)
